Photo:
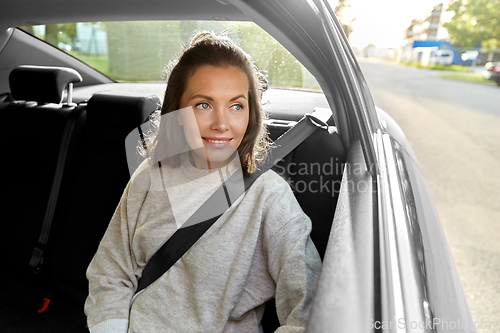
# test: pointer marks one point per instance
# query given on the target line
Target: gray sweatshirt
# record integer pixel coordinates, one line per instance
(258, 249)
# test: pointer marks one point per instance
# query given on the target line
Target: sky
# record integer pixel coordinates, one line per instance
(383, 22)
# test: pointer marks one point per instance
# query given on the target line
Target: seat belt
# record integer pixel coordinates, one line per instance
(185, 237)
(36, 260)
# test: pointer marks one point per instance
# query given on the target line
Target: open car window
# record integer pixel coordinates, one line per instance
(139, 51)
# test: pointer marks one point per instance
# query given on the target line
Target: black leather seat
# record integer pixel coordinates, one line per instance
(34, 123)
(96, 177)
(314, 172)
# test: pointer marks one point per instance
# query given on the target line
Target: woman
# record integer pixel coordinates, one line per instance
(258, 249)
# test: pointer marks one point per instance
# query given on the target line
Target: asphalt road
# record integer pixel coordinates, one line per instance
(454, 129)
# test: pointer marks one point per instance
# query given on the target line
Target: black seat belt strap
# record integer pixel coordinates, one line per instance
(36, 260)
(185, 237)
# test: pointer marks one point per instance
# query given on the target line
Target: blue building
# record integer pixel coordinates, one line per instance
(417, 45)
(92, 39)
(426, 36)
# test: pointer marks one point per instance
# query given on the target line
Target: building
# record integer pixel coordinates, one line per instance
(427, 28)
(92, 38)
(426, 41)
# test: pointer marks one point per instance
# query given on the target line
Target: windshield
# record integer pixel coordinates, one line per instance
(139, 51)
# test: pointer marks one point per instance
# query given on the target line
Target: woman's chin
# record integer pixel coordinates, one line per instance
(215, 157)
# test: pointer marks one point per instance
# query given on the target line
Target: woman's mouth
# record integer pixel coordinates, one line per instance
(217, 142)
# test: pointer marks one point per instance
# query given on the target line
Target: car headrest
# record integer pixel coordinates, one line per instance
(121, 109)
(42, 84)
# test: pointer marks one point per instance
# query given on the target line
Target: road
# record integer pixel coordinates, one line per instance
(454, 129)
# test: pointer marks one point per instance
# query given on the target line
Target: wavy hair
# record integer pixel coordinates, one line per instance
(218, 50)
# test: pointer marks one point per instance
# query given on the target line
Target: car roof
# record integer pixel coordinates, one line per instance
(38, 12)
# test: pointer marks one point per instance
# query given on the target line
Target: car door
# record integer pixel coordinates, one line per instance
(387, 265)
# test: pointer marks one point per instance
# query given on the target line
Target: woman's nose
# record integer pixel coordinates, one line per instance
(219, 120)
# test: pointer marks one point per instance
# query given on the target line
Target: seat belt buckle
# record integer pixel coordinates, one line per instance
(36, 260)
(319, 117)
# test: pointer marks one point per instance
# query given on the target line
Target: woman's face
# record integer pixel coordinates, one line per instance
(218, 97)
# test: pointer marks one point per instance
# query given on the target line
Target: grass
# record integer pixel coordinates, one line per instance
(463, 73)
(440, 67)
(450, 68)
(101, 63)
(468, 78)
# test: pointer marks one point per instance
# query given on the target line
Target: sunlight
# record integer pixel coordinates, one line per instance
(383, 23)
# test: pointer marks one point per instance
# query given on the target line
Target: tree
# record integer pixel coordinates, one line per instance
(51, 34)
(186, 29)
(473, 22)
(55, 33)
(28, 29)
(67, 33)
(283, 70)
(340, 10)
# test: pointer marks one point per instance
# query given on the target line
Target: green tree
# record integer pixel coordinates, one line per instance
(186, 29)
(28, 29)
(340, 10)
(55, 33)
(473, 22)
(283, 70)
(51, 34)
(138, 51)
(67, 33)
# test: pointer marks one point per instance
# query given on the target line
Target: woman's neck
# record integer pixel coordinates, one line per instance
(206, 164)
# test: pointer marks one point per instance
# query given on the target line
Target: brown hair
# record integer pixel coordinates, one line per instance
(208, 48)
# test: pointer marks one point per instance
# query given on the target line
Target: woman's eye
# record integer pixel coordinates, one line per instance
(238, 107)
(203, 106)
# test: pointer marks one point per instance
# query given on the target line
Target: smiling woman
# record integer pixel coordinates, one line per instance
(214, 64)
(222, 119)
(254, 251)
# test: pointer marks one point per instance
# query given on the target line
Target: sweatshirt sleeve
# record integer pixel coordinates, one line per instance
(112, 271)
(293, 261)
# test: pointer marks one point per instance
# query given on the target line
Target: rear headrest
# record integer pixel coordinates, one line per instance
(42, 84)
(121, 109)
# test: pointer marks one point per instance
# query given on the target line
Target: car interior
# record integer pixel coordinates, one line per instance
(70, 169)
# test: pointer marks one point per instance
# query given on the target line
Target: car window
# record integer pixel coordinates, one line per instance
(139, 51)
